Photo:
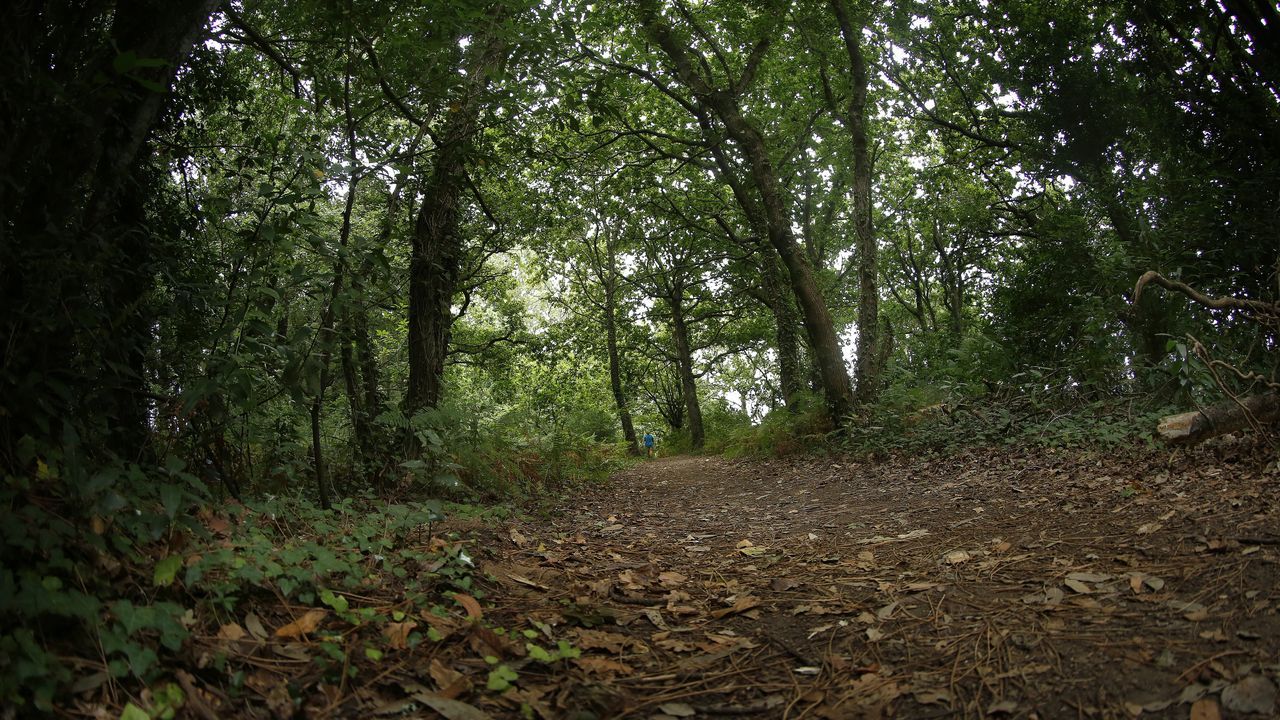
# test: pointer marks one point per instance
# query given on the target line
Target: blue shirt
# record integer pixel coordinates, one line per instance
(648, 440)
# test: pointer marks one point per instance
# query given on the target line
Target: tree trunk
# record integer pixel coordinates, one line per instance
(317, 452)
(867, 368)
(785, 323)
(437, 238)
(817, 319)
(684, 366)
(615, 371)
(361, 420)
(74, 263)
(127, 341)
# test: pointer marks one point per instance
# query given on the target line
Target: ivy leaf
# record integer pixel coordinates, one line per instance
(337, 602)
(166, 570)
(501, 678)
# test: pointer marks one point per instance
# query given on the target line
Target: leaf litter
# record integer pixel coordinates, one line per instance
(816, 588)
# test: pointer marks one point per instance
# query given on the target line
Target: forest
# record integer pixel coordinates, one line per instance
(325, 324)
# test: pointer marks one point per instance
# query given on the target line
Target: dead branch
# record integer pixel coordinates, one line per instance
(1265, 309)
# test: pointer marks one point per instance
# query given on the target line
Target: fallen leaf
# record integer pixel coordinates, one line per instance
(655, 617)
(874, 634)
(932, 697)
(671, 579)
(451, 709)
(603, 666)
(469, 604)
(1253, 694)
(743, 603)
(1077, 586)
(1004, 707)
(254, 624)
(783, 584)
(1205, 709)
(303, 625)
(452, 683)
(600, 640)
(955, 557)
(231, 631)
(887, 611)
(677, 709)
(397, 633)
(753, 551)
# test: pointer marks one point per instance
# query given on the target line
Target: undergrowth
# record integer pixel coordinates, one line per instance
(112, 574)
(951, 418)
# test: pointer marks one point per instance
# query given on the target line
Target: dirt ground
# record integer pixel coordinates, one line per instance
(994, 583)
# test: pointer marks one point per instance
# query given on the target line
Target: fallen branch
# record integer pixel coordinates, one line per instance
(1219, 419)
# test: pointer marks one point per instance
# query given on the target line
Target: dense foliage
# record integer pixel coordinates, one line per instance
(371, 255)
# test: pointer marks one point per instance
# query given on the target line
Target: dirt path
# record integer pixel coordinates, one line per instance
(991, 584)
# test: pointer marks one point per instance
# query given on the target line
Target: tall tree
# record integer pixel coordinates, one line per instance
(723, 101)
(437, 242)
(852, 114)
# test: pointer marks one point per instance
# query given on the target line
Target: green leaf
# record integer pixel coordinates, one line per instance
(166, 570)
(133, 712)
(337, 602)
(171, 499)
(537, 652)
(501, 678)
(373, 654)
(567, 650)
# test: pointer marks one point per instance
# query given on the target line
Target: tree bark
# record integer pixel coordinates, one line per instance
(437, 240)
(1220, 419)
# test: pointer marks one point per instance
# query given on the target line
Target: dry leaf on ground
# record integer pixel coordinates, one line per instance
(303, 625)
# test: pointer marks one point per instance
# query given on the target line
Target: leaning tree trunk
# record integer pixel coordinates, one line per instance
(437, 240)
(817, 319)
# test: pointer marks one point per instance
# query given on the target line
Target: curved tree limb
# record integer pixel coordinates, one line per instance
(1218, 303)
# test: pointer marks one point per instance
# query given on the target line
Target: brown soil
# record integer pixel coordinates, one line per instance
(995, 583)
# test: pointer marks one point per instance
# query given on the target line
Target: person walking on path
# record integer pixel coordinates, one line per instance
(648, 444)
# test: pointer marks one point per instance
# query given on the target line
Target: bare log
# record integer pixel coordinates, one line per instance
(1220, 419)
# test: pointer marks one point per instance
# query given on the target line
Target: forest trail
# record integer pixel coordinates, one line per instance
(991, 583)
